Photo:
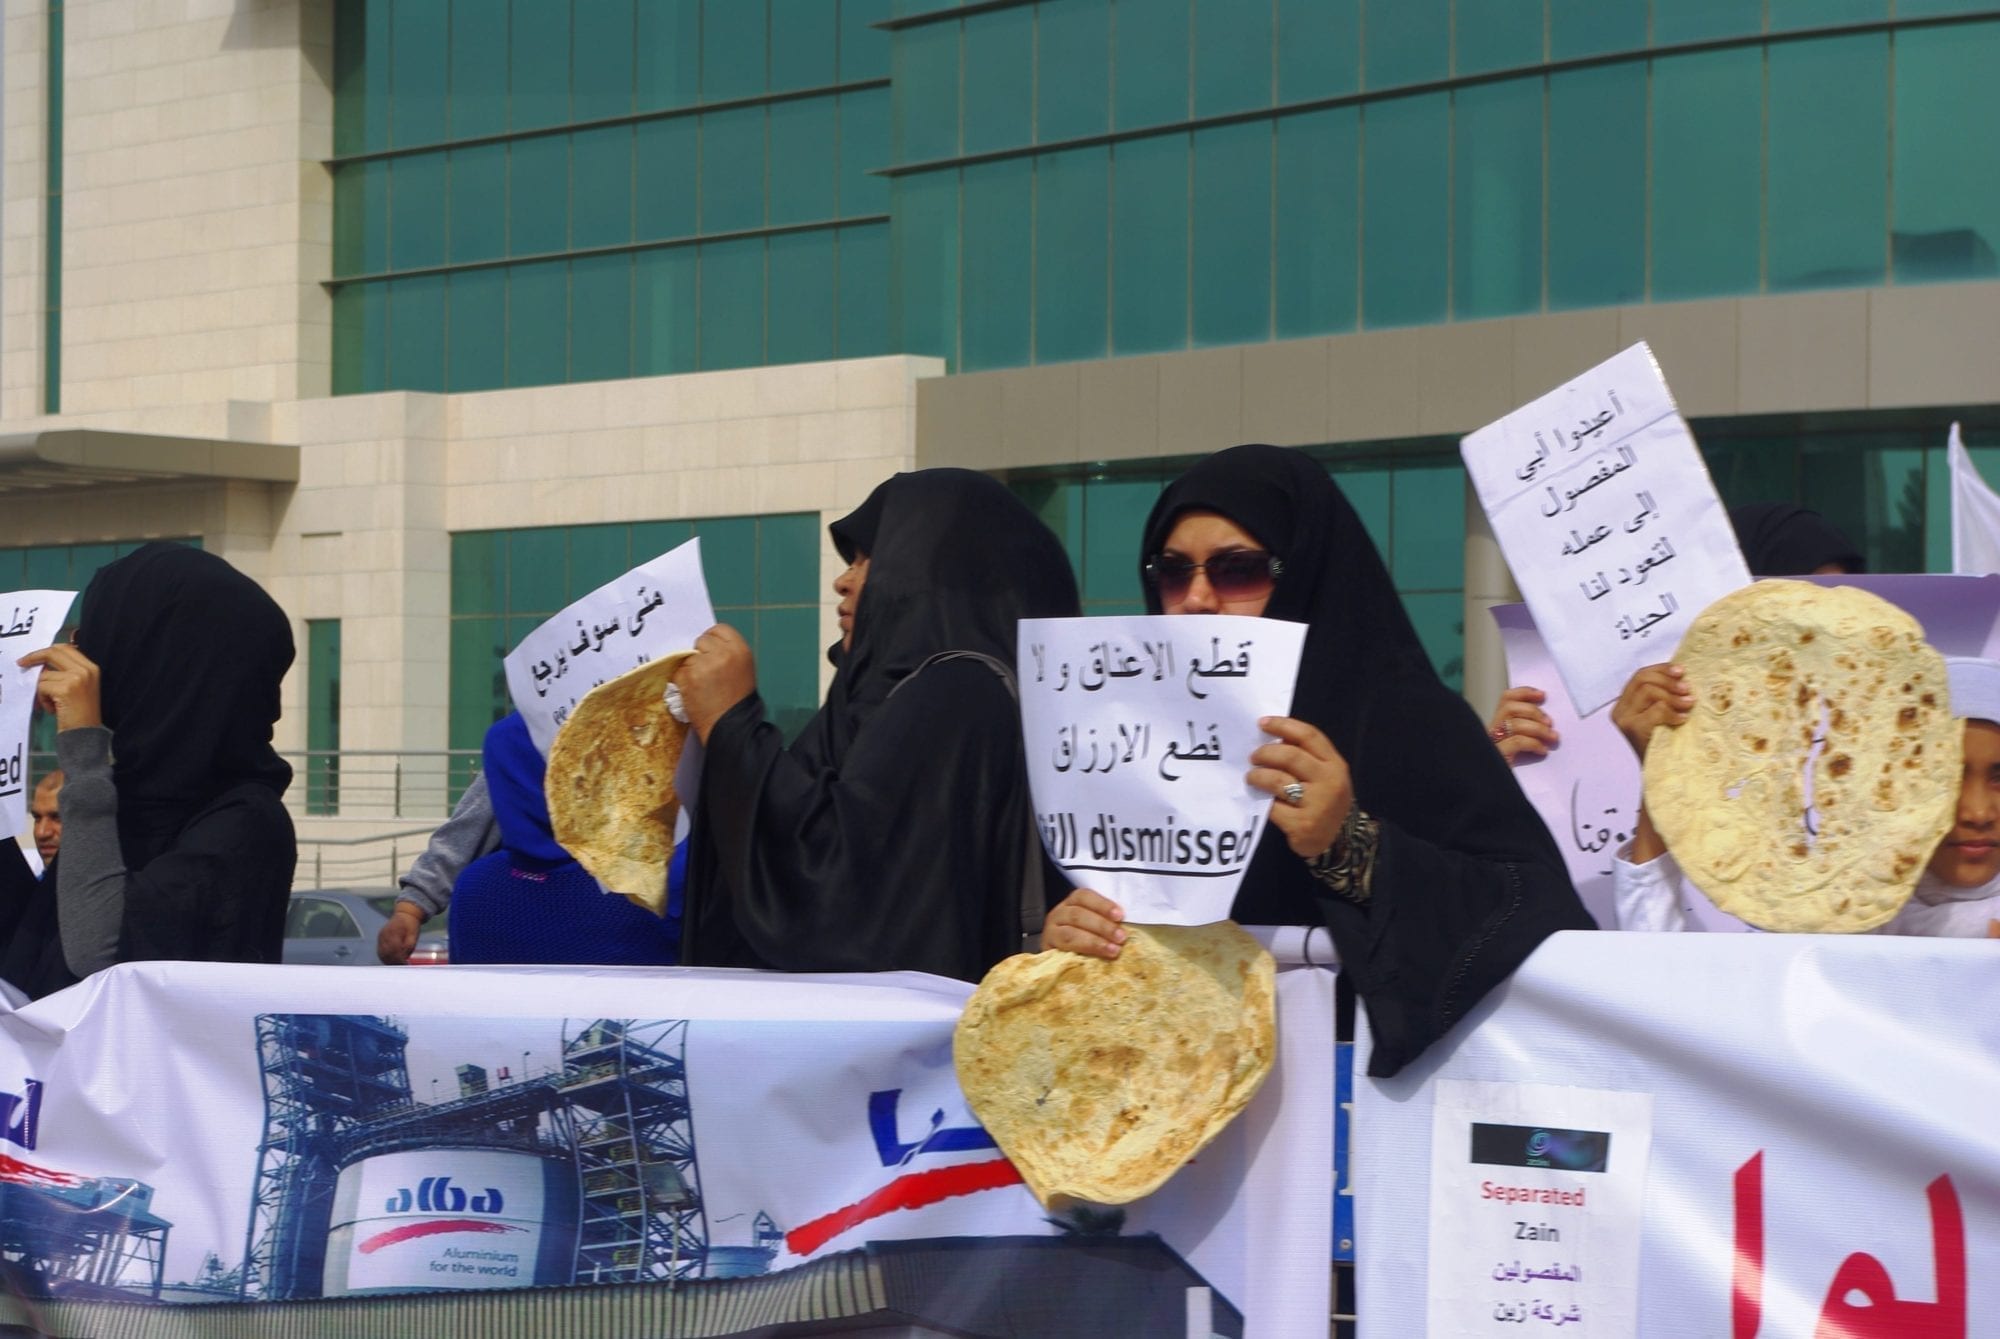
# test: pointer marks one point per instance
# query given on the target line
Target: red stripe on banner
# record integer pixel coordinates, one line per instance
(435, 1227)
(1746, 1279)
(914, 1191)
(28, 1174)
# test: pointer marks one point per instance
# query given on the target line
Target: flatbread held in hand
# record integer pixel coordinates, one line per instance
(610, 782)
(1100, 1079)
(1820, 765)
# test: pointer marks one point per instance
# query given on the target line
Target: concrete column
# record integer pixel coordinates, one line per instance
(1487, 583)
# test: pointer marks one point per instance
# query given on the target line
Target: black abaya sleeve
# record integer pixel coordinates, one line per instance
(906, 857)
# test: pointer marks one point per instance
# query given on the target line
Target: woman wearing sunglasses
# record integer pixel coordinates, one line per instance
(1393, 820)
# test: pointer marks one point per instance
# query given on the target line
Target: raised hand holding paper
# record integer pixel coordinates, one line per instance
(1608, 519)
(1139, 733)
(29, 621)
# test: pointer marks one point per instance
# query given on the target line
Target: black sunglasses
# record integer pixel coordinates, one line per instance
(1242, 574)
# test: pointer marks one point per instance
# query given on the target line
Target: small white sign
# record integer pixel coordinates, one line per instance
(1139, 733)
(1537, 1200)
(1608, 518)
(29, 621)
(653, 610)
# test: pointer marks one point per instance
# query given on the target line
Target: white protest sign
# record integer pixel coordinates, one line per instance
(29, 621)
(1139, 733)
(1537, 1198)
(1606, 513)
(653, 610)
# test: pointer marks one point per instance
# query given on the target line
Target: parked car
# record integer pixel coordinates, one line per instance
(337, 927)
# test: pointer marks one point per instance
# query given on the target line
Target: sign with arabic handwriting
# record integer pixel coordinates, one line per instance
(1609, 521)
(656, 608)
(29, 621)
(1139, 733)
(1537, 1194)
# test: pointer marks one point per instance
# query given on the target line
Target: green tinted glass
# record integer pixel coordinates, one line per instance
(476, 357)
(1232, 234)
(1707, 173)
(803, 160)
(998, 265)
(663, 311)
(788, 559)
(1318, 222)
(1072, 217)
(477, 227)
(1232, 57)
(1597, 186)
(667, 54)
(1497, 199)
(478, 72)
(1319, 48)
(805, 37)
(416, 333)
(1701, 20)
(416, 211)
(537, 323)
(999, 79)
(1406, 210)
(732, 50)
(1947, 183)
(1827, 184)
(788, 660)
(1151, 74)
(538, 195)
(1591, 27)
(864, 290)
(665, 154)
(1149, 253)
(538, 65)
(732, 309)
(418, 40)
(601, 67)
(597, 554)
(1497, 35)
(924, 244)
(864, 48)
(1408, 42)
(476, 573)
(729, 560)
(600, 337)
(864, 145)
(1072, 53)
(802, 298)
(732, 170)
(537, 571)
(926, 92)
(601, 174)
(361, 218)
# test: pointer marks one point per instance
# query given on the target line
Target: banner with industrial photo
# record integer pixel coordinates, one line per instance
(1691, 1136)
(277, 1151)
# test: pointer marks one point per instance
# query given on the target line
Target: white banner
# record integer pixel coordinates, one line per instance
(1822, 1160)
(655, 609)
(1975, 513)
(1608, 519)
(29, 621)
(749, 1148)
(1139, 732)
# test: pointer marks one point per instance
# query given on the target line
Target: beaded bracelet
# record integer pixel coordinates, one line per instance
(1347, 867)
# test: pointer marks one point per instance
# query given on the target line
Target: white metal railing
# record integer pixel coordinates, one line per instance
(373, 860)
(378, 783)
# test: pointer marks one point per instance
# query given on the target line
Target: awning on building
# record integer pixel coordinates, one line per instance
(83, 457)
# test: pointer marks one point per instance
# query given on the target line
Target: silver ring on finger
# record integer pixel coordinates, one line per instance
(1293, 793)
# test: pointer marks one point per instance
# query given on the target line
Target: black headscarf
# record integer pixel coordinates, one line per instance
(892, 834)
(191, 653)
(1467, 880)
(1782, 540)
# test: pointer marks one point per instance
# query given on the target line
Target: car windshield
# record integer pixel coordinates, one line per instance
(384, 905)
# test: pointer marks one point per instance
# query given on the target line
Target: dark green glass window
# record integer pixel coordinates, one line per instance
(1597, 186)
(1072, 53)
(1917, 9)
(1149, 252)
(1150, 75)
(864, 290)
(601, 174)
(1707, 173)
(1232, 57)
(1231, 243)
(801, 327)
(732, 50)
(418, 37)
(667, 54)
(864, 48)
(602, 64)
(803, 160)
(600, 337)
(1592, 27)
(478, 209)
(732, 170)
(478, 104)
(476, 358)
(1072, 218)
(361, 218)
(1114, 515)
(1405, 210)
(663, 311)
(538, 195)
(1827, 183)
(926, 92)
(665, 154)
(1497, 35)
(538, 65)
(729, 561)
(360, 338)
(416, 317)
(537, 323)
(1000, 79)
(924, 243)
(864, 145)
(1318, 222)
(1788, 14)
(1319, 48)
(478, 573)
(732, 329)
(416, 211)
(1700, 20)
(1497, 199)
(361, 77)
(322, 715)
(1947, 182)
(998, 266)
(1408, 42)
(804, 43)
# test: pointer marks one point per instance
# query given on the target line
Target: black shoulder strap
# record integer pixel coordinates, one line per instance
(1033, 891)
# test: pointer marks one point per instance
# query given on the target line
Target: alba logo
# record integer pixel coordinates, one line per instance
(436, 1194)
(21, 1114)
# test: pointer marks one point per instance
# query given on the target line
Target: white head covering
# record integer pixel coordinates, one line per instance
(1975, 687)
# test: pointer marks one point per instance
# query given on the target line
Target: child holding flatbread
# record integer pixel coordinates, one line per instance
(1958, 895)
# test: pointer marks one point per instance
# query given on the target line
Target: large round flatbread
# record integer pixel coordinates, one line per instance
(1770, 665)
(610, 782)
(1099, 1079)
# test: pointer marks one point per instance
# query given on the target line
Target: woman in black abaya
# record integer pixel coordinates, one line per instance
(895, 833)
(1393, 820)
(176, 842)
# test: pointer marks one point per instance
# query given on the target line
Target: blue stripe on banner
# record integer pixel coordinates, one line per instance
(1343, 1183)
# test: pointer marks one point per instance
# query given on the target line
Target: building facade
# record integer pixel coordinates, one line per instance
(434, 314)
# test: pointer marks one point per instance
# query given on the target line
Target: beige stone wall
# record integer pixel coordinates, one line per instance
(196, 213)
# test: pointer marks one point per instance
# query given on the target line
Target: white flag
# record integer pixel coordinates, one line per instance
(1975, 514)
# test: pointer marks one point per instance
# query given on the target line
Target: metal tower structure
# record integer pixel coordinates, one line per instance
(625, 1086)
(325, 1077)
(78, 1236)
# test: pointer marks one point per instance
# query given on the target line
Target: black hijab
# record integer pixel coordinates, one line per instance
(1782, 540)
(191, 654)
(1467, 881)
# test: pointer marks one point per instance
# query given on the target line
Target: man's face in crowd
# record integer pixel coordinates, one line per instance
(48, 818)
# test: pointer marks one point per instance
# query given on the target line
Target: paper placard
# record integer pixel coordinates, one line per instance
(1139, 733)
(1608, 518)
(29, 621)
(653, 610)
(1537, 1200)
